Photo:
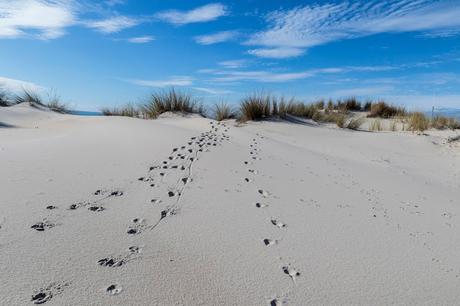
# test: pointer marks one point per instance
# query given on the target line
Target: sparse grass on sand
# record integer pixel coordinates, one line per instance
(223, 111)
(384, 110)
(355, 123)
(171, 101)
(4, 99)
(418, 122)
(442, 123)
(35, 100)
(128, 110)
(256, 107)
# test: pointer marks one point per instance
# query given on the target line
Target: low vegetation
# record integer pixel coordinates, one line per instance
(223, 111)
(128, 110)
(171, 101)
(53, 102)
(384, 110)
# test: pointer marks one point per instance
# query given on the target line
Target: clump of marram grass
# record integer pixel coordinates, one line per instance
(355, 123)
(127, 110)
(376, 125)
(4, 99)
(442, 123)
(418, 122)
(54, 103)
(384, 110)
(256, 107)
(171, 101)
(350, 104)
(223, 111)
(28, 96)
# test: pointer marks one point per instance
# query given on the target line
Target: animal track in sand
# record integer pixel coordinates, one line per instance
(137, 226)
(51, 207)
(253, 171)
(270, 242)
(276, 302)
(278, 223)
(290, 271)
(43, 295)
(42, 226)
(156, 201)
(96, 208)
(114, 289)
(263, 193)
(170, 211)
(261, 205)
(118, 261)
(247, 180)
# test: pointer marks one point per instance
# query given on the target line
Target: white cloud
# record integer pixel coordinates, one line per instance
(113, 24)
(178, 81)
(314, 25)
(233, 64)
(15, 86)
(141, 39)
(213, 91)
(204, 13)
(216, 37)
(282, 52)
(259, 76)
(44, 19)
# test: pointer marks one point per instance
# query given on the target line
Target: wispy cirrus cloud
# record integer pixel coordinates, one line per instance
(141, 39)
(234, 64)
(313, 25)
(112, 25)
(178, 81)
(213, 91)
(215, 38)
(13, 85)
(280, 52)
(206, 13)
(43, 19)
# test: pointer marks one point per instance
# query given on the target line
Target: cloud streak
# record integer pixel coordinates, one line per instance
(177, 81)
(43, 19)
(216, 37)
(314, 25)
(113, 24)
(206, 13)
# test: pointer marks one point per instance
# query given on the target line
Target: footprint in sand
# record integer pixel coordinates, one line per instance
(263, 193)
(156, 201)
(170, 211)
(290, 271)
(276, 302)
(51, 207)
(114, 289)
(261, 205)
(270, 242)
(43, 295)
(137, 226)
(96, 208)
(118, 261)
(248, 180)
(43, 225)
(278, 223)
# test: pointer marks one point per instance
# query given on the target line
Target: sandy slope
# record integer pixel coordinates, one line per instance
(272, 213)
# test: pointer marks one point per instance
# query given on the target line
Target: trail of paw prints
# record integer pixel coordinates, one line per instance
(114, 261)
(264, 205)
(45, 294)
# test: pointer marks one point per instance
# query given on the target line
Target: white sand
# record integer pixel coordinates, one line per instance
(365, 218)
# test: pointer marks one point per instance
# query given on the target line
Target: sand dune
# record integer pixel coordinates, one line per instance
(188, 211)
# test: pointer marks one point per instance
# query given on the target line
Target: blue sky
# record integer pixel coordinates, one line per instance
(101, 53)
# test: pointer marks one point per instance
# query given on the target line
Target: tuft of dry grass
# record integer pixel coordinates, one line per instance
(171, 101)
(256, 107)
(355, 123)
(418, 122)
(54, 103)
(223, 111)
(442, 123)
(28, 96)
(376, 125)
(128, 110)
(384, 110)
(4, 99)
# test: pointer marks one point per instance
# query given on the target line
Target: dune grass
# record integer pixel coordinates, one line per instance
(384, 110)
(27, 96)
(223, 111)
(442, 123)
(171, 101)
(355, 123)
(418, 122)
(127, 110)
(4, 99)
(256, 107)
